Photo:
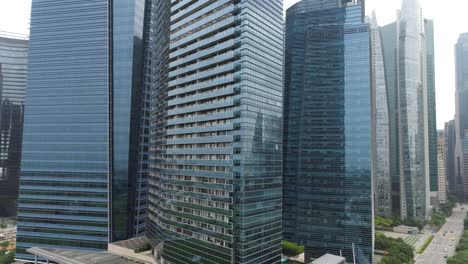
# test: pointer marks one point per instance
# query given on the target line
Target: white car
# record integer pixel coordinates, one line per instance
(445, 250)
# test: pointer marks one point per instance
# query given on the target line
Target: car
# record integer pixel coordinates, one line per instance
(445, 256)
(451, 244)
(451, 231)
(444, 234)
(445, 250)
(453, 239)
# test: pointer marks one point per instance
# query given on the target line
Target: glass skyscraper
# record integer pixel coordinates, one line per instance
(388, 35)
(328, 199)
(215, 187)
(13, 68)
(381, 126)
(441, 155)
(412, 109)
(431, 106)
(461, 112)
(84, 141)
(408, 48)
(454, 184)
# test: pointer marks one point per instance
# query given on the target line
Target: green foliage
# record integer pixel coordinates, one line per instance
(399, 252)
(384, 222)
(447, 207)
(461, 257)
(5, 244)
(437, 220)
(292, 249)
(6, 258)
(426, 243)
(413, 222)
(144, 248)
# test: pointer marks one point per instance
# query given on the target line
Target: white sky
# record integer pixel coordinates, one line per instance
(450, 18)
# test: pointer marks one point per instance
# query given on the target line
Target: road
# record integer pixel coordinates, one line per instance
(444, 245)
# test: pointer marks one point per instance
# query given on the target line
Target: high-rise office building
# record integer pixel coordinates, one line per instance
(461, 112)
(431, 106)
(441, 155)
(381, 126)
(412, 109)
(83, 145)
(216, 121)
(408, 48)
(13, 65)
(454, 184)
(328, 204)
(389, 45)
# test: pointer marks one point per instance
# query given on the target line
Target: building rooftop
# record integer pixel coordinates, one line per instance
(65, 256)
(329, 259)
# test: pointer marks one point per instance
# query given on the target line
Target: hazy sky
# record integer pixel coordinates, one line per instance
(450, 18)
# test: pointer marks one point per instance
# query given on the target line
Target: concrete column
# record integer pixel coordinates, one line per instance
(35, 259)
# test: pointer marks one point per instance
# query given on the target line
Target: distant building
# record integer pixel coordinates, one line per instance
(461, 112)
(408, 49)
(13, 68)
(389, 46)
(454, 183)
(441, 157)
(327, 203)
(381, 126)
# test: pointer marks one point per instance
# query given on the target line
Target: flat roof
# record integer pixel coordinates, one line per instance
(65, 256)
(329, 259)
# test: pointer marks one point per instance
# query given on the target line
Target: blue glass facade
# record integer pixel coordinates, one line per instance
(13, 68)
(328, 130)
(82, 125)
(215, 145)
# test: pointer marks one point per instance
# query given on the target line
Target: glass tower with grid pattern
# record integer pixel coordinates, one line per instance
(13, 68)
(215, 184)
(328, 204)
(82, 172)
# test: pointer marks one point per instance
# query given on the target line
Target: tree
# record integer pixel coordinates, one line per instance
(460, 258)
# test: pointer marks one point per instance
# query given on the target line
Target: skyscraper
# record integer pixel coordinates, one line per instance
(13, 65)
(454, 184)
(381, 126)
(389, 46)
(328, 130)
(216, 120)
(412, 109)
(431, 106)
(461, 112)
(408, 46)
(441, 155)
(82, 146)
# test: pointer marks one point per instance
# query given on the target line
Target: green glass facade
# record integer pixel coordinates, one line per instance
(431, 105)
(389, 46)
(216, 119)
